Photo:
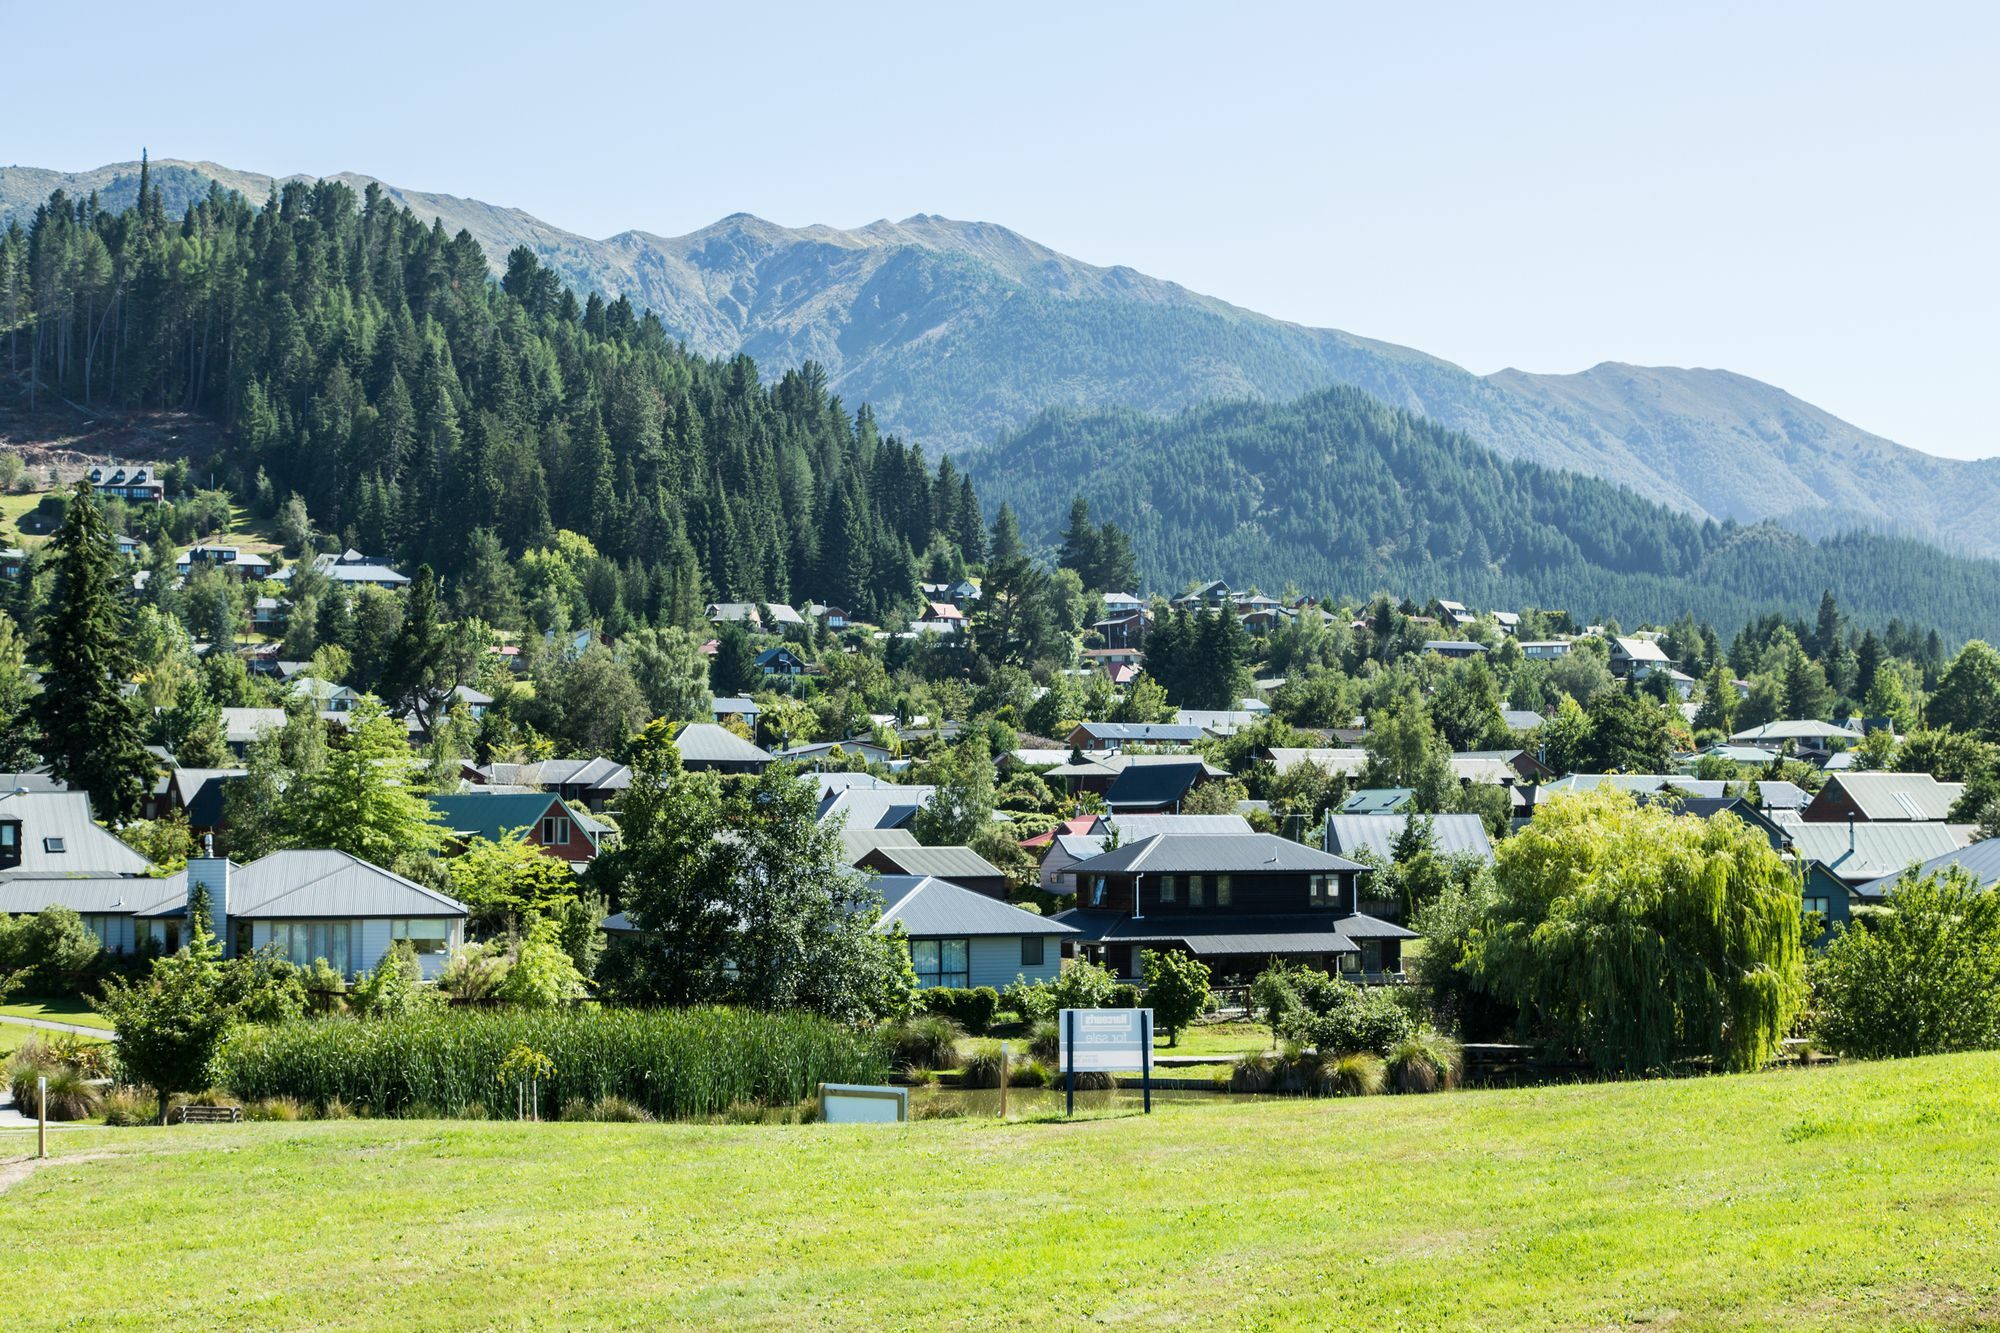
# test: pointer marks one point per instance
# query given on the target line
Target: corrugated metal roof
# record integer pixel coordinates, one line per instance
(1483, 768)
(59, 837)
(1520, 719)
(240, 726)
(492, 814)
(1636, 783)
(1858, 853)
(1139, 731)
(856, 843)
(709, 743)
(1241, 853)
(1797, 731)
(314, 884)
(1235, 932)
(1377, 801)
(1981, 860)
(1895, 796)
(1345, 761)
(870, 802)
(94, 894)
(927, 906)
(1131, 828)
(1377, 834)
(955, 863)
(1154, 784)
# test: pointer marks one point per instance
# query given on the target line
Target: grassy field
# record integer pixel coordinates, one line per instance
(67, 1010)
(1859, 1195)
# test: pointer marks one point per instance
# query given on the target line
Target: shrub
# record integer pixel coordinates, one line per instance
(1424, 1061)
(920, 1076)
(1923, 979)
(1345, 1017)
(1123, 996)
(1177, 989)
(1030, 1074)
(1253, 1073)
(671, 1063)
(1082, 986)
(1357, 1074)
(275, 1108)
(1032, 1000)
(972, 1009)
(124, 1106)
(980, 1070)
(1045, 1042)
(930, 1040)
(71, 1095)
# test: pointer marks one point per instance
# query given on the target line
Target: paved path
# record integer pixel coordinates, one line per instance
(57, 1025)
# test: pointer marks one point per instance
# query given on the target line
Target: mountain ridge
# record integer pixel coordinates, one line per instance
(958, 332)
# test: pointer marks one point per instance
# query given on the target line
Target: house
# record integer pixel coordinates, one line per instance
(1637, 658)
(240, 726)
(544, 819)
(309, 905)
(13, 560)
(1237, 901)
(139, 485)
(1455, 614)
(1521, 719)
(1122, 604)
(940, 618)
(724, 707)
(1508, 621)
(1156, 788)
(1070, 844)
(1981, 860)
(1544, 650)
(589, 784)
(865, 801)
(1376, 836)
(819, 754)
(1882, 798)
(706, 746)
(1339, 762)
(780, 661)
(198, 793)
(831, 617)
(857, 843)
(1378, 801)
(1520, 764)
(1805, 733)
(267, 615)
(1840, 859)
(1217, 721)
(1213, 593)
(1117, 735)
(1708, 807)
(751, 614)
(961, 939)
(49, 834)
(961, 865)
(242, 563)
(1455, 648)
(1126, 630)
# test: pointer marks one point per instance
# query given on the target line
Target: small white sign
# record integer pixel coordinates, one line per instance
(862, 1104)
(1103, 1040)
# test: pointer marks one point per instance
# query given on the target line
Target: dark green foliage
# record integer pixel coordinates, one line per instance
(46, 954)
(1923, 978)
(1176, 989)
(1340, 492)
(1628, 734)
(673, 1063)
(92, 735)
(972, 1009)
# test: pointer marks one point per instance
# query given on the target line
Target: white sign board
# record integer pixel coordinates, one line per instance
(1106, 1040)
(862, 1104)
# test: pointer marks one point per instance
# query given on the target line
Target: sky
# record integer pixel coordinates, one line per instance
(1806, 194)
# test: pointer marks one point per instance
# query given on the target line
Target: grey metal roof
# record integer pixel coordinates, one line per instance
(1482, 768)
(300, 884)
(1140, 731)
(1345, 760)
(1081, 846)
(39, 780)
(866, 801)
(1131, 828)
(65, 818)
(856, 843)
(1783, 795)
(1242, 853)
(1154, 784)
(708, 743)
(927, 906)
(1377, 800)
(98, 894)
(953, 863)
(1636, 783)
(1858, 853)
(1377, 834)
(733, 703)
(1981, 860)
(1521, 719)
(1896, 796)
(1807, 730)
(240, 726)
(1235, 932)
(1216, 721)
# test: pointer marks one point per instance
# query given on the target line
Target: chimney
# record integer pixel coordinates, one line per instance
(211, 872)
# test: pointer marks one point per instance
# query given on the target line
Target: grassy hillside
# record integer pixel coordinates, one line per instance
(957, 331)
(1339, 493)
(1855, 1196)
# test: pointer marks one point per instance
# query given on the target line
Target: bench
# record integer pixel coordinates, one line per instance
(211, 1115)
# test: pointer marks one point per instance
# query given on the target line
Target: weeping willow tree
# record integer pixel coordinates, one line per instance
(1645, 939)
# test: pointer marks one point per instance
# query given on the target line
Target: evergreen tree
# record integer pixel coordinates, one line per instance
(1006, 543)
(91, 731)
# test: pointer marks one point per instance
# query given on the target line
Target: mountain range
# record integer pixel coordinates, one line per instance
(957, 332)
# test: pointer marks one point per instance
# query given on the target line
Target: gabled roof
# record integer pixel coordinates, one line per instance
(927, 907)
(1345, 760)
(311, 884)
(243, 725)
(733, 703)
(1377, 801)
(199, 791)
(1377, 834)
(1219, 853)
(866, 801)
(1807, 730)
(1894, 796)
(87, 894)
(1140, 731)
(856, 843)
(1636, 783)
(1133, 828)
(1216, 721)
(1521, 719)
(1981, 860)
(1858, 853)
(710, 743)
(1154, 784)
(59, 838)
(493, 814)
(1639, 650)
(1214, 933)
(953, 863)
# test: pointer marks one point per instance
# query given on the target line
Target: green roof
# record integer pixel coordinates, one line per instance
(493, 814)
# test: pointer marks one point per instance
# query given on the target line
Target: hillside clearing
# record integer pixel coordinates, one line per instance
(1856, 1195)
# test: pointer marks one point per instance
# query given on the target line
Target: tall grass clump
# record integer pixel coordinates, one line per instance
(671, 1063)
(1424, 1061)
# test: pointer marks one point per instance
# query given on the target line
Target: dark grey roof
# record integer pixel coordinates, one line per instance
(1221, 853)
(708, 743)
(301, 884)
(1981, 860)
(65, 818)
(1377, 834)
(39, 780)
(1153, 784)
(1236, 932)
(1132, 828)
(927, 906)
(954, 863)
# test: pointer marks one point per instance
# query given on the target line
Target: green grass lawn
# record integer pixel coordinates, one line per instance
(65, 1010)
(1856, 1195)
(1218, 1039)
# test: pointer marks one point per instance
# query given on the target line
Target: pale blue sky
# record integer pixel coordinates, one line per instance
(1804, 193)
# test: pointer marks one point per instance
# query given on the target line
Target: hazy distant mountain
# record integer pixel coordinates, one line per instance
(957, 331)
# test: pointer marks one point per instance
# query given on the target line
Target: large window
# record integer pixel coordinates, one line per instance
(425, 935)
(942, 962)
(305, 941)
(1031, 950)
(555, 830)
(1222, 890)
(1197, 890)
(1170, 888)
(1813, 904)
(1325, 891)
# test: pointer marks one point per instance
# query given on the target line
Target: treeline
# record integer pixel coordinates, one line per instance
(1339, 492)
(368, 363)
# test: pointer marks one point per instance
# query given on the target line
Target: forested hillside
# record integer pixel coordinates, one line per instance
(1337, 492)
(958, 331)
(367, 363)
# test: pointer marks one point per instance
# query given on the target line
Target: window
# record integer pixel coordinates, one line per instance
(302, 942)
(942, 962)
(1321, 893)
(426, 935)
(10, 843)
(1350, 962)
(1031, 950)
(52, 845)
(1170, 888)
(555, 830)
(101, 925)
(1197, 890)
(1096, 890)
(1222, 891)
(1816, 905)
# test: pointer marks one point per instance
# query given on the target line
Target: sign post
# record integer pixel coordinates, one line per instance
(1107, 1041)
(41, 1117)
(1006, 1063)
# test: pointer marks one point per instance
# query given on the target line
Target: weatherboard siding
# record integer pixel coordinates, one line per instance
(995, 960)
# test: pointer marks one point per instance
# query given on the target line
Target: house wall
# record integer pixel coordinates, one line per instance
(1248, 892)
(1832, 806)
(115, 932)
(578, 848)
(996, 960)
(1823, 883)
(1053, 864)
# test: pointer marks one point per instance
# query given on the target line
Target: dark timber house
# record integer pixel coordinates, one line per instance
(1237, 901)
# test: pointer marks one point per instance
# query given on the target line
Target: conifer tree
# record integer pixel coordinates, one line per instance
(93, 738)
